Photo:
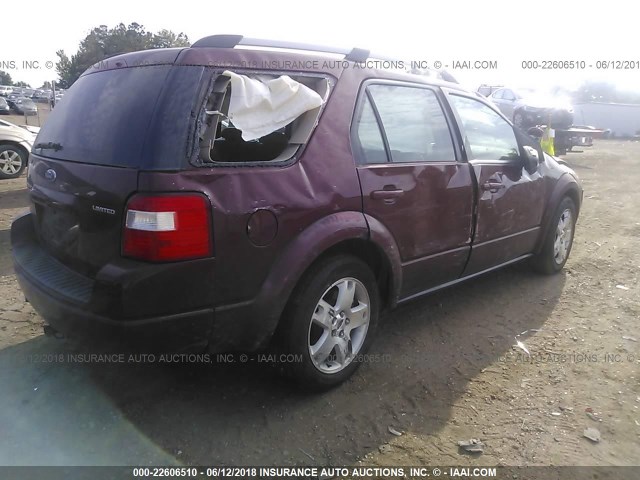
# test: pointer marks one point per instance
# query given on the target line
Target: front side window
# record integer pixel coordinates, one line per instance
(489, 136)
(413, 123)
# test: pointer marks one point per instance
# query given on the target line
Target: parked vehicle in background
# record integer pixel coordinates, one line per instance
(23, 106)
(42, 96)
(486, 90)
(5, 109)
(527, 108)
(5, 90)
(153, 218)
(15, 93)
(566, 139)
(15, 144)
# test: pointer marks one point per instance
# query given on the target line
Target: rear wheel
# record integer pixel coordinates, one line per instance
(13, 161)
(557, 246)
(330, 322)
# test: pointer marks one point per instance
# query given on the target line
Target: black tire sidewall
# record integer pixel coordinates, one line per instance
(23, 158)
(297, 318)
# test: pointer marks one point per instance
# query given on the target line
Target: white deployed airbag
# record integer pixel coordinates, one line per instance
(260, 105)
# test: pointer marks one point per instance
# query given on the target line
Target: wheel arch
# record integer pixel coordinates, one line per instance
(566, 186)
(17, 143)
(372, 255)
(358, 235)
(343, 232)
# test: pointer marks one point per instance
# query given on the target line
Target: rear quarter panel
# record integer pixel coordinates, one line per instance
(320, 184)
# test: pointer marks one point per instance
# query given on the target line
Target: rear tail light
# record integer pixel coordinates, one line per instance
(167, 228)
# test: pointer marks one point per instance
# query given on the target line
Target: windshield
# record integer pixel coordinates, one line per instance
(124, 117)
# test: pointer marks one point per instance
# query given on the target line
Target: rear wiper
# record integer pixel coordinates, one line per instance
(48, 146)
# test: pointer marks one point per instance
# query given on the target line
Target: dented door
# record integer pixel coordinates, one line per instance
(509, 211)
(509, 199)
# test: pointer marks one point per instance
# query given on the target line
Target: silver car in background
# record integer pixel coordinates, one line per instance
(15, 145)
(23, 106)
(527, 108)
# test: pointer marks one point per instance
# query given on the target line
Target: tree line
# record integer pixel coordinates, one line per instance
(101, 43)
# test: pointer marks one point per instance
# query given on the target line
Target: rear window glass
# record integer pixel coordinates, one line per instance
(107, 118)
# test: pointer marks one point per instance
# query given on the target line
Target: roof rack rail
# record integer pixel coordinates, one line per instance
(230, 41)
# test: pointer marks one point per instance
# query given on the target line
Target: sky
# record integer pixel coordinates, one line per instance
(450, 32)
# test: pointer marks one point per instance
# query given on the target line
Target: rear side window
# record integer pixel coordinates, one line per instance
(121, 117)
(258, 117)
(489, 136)
(413, 123)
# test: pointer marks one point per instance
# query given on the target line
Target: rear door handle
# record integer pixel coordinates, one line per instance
(492, 187)
(386, 194)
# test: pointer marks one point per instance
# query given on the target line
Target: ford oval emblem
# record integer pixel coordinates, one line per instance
(50, 175)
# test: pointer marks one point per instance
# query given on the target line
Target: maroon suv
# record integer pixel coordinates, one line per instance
(229, 196)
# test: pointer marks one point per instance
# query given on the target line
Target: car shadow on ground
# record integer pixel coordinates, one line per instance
(245, 413)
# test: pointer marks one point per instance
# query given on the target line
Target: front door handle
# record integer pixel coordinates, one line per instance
(386, 194)
(492, 187)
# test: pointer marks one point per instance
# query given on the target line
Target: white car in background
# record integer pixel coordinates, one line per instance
(15, 145)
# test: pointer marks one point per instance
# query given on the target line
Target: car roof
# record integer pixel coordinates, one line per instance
(237, 52)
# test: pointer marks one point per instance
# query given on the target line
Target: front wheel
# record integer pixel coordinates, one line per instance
(13, 161)
(330, 322)
(557, 245)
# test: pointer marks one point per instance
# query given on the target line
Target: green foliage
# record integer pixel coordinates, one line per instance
(5, 78)
(103, 42)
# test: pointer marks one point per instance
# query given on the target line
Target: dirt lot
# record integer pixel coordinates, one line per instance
(450, 370)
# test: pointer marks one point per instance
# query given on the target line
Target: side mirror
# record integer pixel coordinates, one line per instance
(531, 158)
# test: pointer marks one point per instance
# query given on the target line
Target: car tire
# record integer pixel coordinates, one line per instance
(13, 161)
(559, 240)
(317, 327)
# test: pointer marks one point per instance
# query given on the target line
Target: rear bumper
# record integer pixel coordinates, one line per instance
(156, 307)
(160, 333)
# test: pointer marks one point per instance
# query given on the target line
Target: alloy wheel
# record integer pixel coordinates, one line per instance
(10, 162)
(563, 238)
(339, 325)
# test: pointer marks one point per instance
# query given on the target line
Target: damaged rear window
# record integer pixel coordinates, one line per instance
(258, 117)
